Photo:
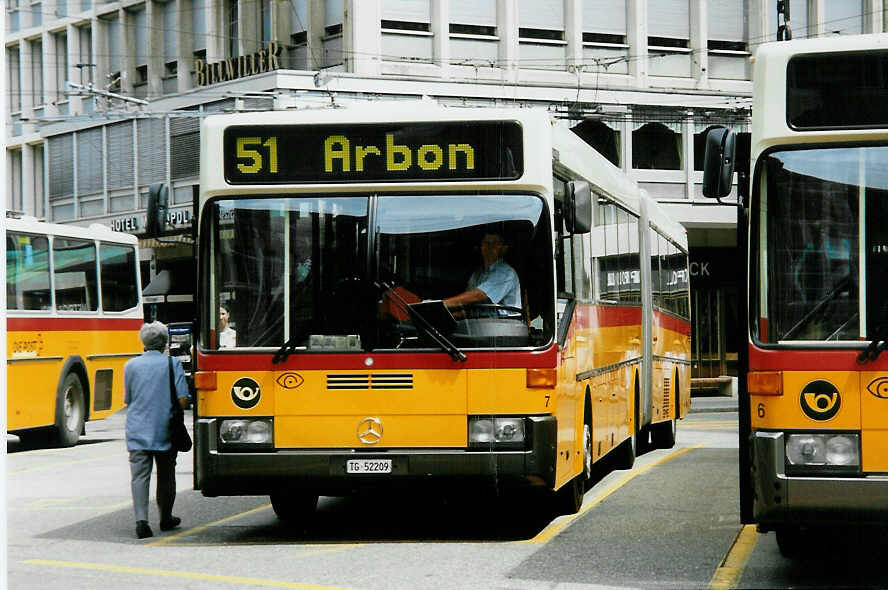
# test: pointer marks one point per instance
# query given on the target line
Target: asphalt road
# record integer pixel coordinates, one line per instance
(670, 522)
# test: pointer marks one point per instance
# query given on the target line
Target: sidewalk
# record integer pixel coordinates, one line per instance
(713, 403)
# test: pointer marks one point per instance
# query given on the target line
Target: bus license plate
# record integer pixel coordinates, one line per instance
(368, 466)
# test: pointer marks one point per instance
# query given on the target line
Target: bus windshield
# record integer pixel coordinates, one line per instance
(336, 273)
(823, 244)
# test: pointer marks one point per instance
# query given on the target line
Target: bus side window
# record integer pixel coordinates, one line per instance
(27, 272)
(74, 266)
(118, 277)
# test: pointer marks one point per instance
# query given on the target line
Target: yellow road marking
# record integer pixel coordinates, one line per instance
(563, 522)
(728, 573)
(179, 574)
(56, 465)
(203, 527)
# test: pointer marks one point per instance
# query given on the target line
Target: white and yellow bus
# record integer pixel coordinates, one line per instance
(814, 193)
(73, 313)
(332, 237)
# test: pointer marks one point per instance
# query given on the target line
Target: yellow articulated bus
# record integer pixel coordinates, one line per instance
(337, 349)
(73, 313)
(814, 381)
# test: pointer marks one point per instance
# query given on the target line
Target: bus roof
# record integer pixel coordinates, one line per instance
(769, 110)
(95, 231)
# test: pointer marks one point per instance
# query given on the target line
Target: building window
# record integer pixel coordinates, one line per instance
(406, 30)
(656, 146)
(37, 157)
(669, 51)
(61, 66)
(13, 60)
(473, 33)
(37, 16)
(602, 137)
(15, 186)
(37, 72)
(232, 28)
(14, 16)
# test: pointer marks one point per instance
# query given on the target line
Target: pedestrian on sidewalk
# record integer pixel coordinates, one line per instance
(149, 407)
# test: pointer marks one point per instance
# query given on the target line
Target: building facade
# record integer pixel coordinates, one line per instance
(105, 98)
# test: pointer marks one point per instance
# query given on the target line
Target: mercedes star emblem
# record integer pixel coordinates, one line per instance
(370, 431)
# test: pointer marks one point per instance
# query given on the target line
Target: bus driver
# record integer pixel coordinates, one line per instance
(496, 282)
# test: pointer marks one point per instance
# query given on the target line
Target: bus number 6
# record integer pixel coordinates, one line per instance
(247, 149)
(761, 410)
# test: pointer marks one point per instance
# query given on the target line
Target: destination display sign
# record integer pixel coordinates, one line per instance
(399, 152)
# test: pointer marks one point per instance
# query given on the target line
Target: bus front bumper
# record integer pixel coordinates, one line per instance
(780, 499)
(322, 471)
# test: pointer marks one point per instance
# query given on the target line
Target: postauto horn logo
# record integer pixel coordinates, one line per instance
(245, 393)
(820, 400)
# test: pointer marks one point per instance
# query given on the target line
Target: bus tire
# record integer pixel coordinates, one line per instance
(789, 540)
(569, 498)
(70, 410)
(293, 506)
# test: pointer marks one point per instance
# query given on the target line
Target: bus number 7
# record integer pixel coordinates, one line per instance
(246, 151)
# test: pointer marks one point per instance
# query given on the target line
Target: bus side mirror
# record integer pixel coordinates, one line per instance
(579, 212)
(158, 205)
(718, 164)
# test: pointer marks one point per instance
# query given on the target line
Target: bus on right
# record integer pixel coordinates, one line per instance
(812, 234)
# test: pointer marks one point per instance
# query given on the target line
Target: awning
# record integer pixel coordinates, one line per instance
(159, 290)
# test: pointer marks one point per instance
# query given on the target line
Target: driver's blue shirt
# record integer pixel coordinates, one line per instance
(499, 281)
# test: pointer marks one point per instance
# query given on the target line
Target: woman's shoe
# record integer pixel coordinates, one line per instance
(143, 531)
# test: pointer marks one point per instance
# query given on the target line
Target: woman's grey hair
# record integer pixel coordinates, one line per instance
(154, 336)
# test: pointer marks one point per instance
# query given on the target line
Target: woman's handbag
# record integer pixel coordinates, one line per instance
(178, 433)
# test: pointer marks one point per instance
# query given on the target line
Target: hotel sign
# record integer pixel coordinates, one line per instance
(264, 60)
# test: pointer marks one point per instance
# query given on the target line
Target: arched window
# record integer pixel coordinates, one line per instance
(602, 137)
(656, 146)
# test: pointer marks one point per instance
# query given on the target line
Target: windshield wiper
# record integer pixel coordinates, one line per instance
(284, 351)
(422, 323)
(843, 285)
(878, 344)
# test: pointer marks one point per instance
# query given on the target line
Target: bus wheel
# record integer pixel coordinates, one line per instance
(293, 506)
(570, 497)
(626, 452)
(587, 453)
(789, 540)
(70, 411)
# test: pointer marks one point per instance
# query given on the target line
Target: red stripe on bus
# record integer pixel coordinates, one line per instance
(811, 360)
(537, 359)
(670, 322)
(71, 324)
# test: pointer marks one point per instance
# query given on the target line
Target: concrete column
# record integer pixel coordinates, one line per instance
(154, 48)
(315, 34)
(249, 27)
(816, 12)
(687, 156)
(49, 75)
(99, 51)
(362, 38)
(757, 24)
(26, 84)
(636, 37)
(573, 32)
(699, 43)
(74, 73)
(873, 16)
(127, 59)
(184, 44)
(440, 17)
(507, 29)
(217, 32)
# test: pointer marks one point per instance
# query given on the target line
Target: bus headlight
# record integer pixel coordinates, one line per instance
(812, 452)
(255, 432)
(498, 432)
